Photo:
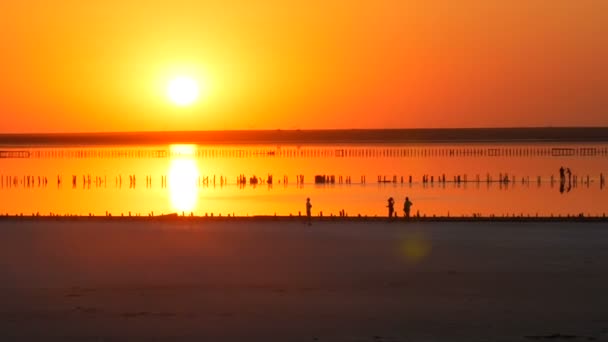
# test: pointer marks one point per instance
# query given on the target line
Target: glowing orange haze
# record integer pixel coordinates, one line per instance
(103, 65)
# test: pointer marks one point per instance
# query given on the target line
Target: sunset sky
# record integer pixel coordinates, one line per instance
(68, 66)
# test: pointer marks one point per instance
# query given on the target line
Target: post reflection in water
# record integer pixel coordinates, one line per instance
(182, 178)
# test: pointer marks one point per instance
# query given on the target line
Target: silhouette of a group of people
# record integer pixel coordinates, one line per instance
(407, 206)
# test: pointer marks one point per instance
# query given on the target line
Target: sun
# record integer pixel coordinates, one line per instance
(183, 90)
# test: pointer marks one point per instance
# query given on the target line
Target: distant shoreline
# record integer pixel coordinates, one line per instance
(354, 136)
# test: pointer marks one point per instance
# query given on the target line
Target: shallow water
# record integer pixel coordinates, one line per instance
(203, 180)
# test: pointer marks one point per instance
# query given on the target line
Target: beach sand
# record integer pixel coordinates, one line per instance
(265, 280)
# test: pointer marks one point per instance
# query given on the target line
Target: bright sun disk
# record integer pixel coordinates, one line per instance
(182, 91)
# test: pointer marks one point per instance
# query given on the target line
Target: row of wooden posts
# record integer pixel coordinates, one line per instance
(342, 214)
(293, 152)
(86, 181)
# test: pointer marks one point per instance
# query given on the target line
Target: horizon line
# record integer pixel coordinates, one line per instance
(313, 136)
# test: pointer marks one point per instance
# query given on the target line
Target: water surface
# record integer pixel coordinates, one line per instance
(204, 179)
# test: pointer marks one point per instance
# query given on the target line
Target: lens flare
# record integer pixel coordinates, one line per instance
(416, 247)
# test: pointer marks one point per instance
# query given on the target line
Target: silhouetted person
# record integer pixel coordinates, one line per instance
(562, 175)
(569, 176)
(308, 210)
(391, 207)
(407, 206)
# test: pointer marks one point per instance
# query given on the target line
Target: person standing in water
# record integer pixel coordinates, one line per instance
(407, 206)
(391, 207)
(308, 210)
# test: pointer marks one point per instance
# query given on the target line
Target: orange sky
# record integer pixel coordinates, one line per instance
(103, 65)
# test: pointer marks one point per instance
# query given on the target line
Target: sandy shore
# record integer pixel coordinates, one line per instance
(265, 280)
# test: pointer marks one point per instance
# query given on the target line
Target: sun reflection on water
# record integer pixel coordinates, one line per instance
(182, 178)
